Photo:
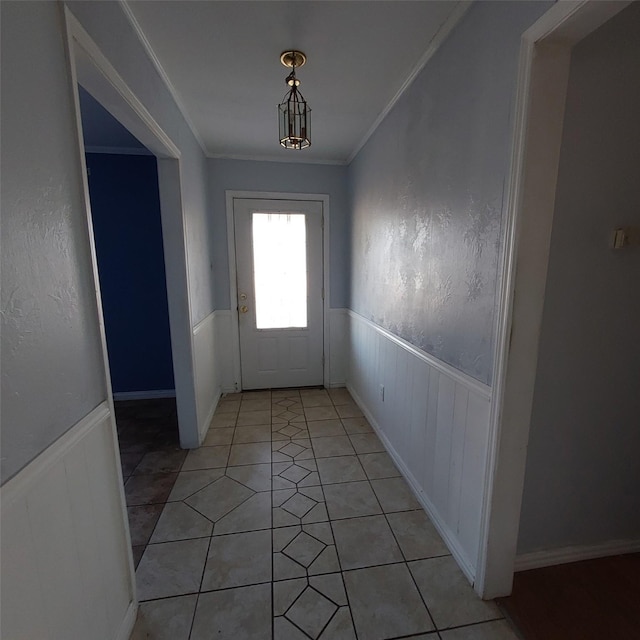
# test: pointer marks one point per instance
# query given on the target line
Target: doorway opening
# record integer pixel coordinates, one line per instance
(543, 82)
(122, 178)
(127, 228)
(278, 267)
(167, 417)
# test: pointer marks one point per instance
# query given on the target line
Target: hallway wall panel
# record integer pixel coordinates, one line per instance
(52, 364)
(66, 559)
(435, 423)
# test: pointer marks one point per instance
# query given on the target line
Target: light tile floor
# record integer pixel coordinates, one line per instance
(292, 522)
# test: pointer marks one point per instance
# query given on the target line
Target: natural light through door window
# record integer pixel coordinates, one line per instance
(280, 270)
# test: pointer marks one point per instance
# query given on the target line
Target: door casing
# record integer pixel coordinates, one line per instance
(233, 286)
(545, 57)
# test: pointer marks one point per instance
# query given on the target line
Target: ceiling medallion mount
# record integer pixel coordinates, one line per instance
(293, 58)
(294, 114)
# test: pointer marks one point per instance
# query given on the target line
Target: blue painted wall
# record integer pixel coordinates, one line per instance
(101, 129)
(126, 220)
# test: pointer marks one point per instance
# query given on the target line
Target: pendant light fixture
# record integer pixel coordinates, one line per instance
(294, 114)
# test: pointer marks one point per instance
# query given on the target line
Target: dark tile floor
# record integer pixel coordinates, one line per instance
(151, 459)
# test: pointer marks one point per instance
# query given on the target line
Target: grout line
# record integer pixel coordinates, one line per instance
(273, 600)
(321, 485)
(474, 624)
(177, 595)
(235, 586)
(195, 610)
(406, 563)
(334, 613)
(353, 622)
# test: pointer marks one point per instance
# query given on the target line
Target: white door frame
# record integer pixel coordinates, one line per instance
(539, 115)
(233, 283)
(90, 67)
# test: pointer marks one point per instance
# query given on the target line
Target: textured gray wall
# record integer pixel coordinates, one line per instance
(582, 483)
(52, 370)
(52, 367)
(247, 175)
(427, 193)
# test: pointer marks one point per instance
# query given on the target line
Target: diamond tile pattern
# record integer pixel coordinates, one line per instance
(294, 473)
(311, 612)
(299, 505)
(304, 549)
(291, 530)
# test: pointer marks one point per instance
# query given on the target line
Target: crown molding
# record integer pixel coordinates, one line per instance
(441, 35)
(163, 74)
(259, 158)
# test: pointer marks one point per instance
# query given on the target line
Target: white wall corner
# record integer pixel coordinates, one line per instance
(207, 371)
(338, 345)
(224, 342)
(126, 628)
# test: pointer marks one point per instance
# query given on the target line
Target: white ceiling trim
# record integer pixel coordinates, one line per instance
(441, 35)
(163, 74)
(262, 158)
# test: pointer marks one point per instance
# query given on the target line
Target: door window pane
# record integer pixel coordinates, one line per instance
(280, 270)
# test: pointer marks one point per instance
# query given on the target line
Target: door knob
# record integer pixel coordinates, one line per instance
(244, 308)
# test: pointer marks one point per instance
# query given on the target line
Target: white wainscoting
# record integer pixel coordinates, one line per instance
(67, 570)
(434, 421)
(338, 343)
(206, 371)
(225, 341)
(213, 365)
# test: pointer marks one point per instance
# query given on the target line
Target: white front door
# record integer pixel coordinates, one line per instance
(279, 266)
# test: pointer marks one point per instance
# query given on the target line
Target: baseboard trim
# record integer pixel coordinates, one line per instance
(458, 376)
(144, 395)
(447, 535)
(204, 427)
(129, 621)
(229, 390)
(565, 555)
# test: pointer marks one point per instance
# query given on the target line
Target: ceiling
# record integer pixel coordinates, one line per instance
(223, 60)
